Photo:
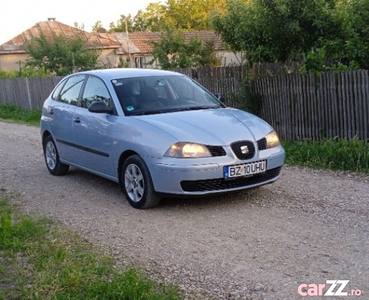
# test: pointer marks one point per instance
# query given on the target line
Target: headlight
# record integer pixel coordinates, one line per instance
(184, 150)
(272, 139)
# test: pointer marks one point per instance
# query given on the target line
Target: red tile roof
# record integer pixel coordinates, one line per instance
(138, 42)
(47, 28)
(126, 46)
(142, 39)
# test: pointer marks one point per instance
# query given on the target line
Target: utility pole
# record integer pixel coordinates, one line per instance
(128, 44)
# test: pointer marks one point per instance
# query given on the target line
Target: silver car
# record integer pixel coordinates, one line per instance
(156, 133)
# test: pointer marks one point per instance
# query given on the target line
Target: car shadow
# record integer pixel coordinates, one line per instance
(245, 197)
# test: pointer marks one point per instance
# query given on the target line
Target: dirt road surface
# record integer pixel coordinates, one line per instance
(307, 228)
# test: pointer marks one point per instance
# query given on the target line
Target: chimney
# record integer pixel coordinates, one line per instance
(51, 19)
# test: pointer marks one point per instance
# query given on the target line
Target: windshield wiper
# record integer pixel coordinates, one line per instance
(148, 112)
(196, 108)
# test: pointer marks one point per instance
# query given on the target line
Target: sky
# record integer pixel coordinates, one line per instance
(18, 16)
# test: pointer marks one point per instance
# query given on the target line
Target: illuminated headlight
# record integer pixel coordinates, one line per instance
(187, 150)
(272, 139)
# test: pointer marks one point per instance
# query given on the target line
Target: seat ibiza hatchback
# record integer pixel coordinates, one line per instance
(156, 133)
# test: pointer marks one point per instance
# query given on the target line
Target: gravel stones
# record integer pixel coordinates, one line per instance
(307, 227)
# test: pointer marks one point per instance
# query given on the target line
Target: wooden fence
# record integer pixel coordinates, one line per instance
(300, 106)
(297, 106)
(309, 106)
(28, 93)
(222, 80)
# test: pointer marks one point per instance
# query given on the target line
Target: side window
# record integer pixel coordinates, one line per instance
(71, 90)
(95, 90)
(57, 90)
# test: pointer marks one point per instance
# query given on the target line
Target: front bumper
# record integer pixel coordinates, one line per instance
(203, 176)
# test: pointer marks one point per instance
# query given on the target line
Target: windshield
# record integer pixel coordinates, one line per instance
(151, 95)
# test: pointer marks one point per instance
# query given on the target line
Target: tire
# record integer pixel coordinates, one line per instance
(136, 183)
(52, 160)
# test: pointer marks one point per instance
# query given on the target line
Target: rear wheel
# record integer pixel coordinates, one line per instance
(52, 160)
(136, 183)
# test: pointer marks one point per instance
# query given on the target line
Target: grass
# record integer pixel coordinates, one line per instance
(333, 154)
(16, 114)
(41, 260)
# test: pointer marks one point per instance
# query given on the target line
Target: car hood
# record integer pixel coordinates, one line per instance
(221, 126)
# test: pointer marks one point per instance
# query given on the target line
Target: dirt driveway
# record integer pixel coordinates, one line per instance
(309, 227)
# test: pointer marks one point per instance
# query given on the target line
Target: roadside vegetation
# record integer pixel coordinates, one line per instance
(14, 113)
(332, 154)
(40, 259)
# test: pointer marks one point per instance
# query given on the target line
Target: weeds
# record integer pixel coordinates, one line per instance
(333, 154)
(15, 113)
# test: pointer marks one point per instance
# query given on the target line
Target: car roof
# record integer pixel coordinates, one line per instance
(127, 72)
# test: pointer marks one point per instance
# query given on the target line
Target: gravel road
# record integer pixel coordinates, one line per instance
(308, 227)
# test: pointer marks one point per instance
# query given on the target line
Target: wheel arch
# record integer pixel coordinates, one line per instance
(123, 157)
(45, 135)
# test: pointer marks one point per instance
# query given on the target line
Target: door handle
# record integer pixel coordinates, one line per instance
(77, 120)
(51, 112)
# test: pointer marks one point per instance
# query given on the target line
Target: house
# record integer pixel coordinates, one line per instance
(116, 49)
(13, 53)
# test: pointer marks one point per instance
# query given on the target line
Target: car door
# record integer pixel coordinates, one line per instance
(92, 132)
(61, 112)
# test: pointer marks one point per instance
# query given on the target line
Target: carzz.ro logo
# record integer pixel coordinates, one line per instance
(329, 288)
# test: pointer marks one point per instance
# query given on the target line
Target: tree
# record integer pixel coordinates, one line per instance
(353, 46)
(175, 14)
(277, 30)
(98, 27)
(61, 55)
(192, 14)
(173, 52)
(152, 19)
(207, 56)
(124, 23)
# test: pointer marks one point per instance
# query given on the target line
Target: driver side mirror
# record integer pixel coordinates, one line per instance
(219, 97)
(100, 107)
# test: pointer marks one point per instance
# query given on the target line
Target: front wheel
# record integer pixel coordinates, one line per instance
(52, 160)
(136, 183)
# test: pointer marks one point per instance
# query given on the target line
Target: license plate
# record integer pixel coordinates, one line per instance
(245, 169)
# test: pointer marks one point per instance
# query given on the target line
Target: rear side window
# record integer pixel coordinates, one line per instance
(57, 90)
(72, 89)
(95, 90)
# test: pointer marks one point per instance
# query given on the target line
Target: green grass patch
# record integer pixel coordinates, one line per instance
(332, 154)
(41, 260)
(14, 113)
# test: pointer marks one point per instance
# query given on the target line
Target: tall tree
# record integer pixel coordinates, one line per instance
(354, 45)
(176, 14)
(277, 30)
(192, 14)
(61, 55)
(152, 19)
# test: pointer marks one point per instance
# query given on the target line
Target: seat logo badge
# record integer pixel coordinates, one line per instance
(244, 149)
